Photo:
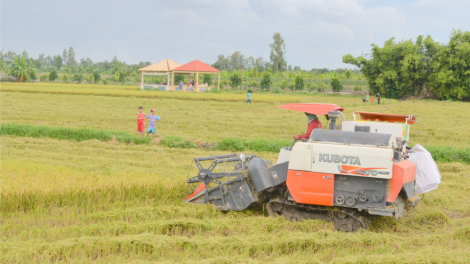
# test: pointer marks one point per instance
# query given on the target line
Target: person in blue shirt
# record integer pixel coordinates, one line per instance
(153, 118)
(248, 97)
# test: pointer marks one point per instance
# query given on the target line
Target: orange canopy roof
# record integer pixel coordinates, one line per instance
(196, 66)
(316, 109)
(386, 117)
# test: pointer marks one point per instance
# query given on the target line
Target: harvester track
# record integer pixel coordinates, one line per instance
(345, 220)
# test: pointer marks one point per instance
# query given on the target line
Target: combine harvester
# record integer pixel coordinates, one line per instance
(343, 175)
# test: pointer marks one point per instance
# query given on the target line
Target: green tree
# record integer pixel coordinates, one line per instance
(336, 85)
(65, 57)
(178, 79)
(20, 68)
(96, 76)
(266, 81)
(3, 64)
(278, 50)
(450, 64)
(58, 61)
(122, 77)
(299, 82)
(71, 58)
(235, 79)
(396, 69)
(53, 75)
(207, 78)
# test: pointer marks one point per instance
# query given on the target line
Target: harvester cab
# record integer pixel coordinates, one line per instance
(343, 174)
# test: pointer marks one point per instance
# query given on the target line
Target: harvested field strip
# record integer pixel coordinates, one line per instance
(440, 154)
(120, 92)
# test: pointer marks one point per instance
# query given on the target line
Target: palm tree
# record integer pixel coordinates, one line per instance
(20, 68)
(3, 64)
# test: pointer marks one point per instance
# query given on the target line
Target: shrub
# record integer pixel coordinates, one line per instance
(43, 77)
(235, 79)
(53, 75)
(122, 77)
(65, 78)
(78, 77)
(179, 78)
(312, 87)
(299, 83)
(277, 90)
(322, 87)
(283, 84)
(252, 83)
(357, 88)
(336, 85)
(96, 77)
(105, 82)
(32, 76)
(266, 82)
(207, 78)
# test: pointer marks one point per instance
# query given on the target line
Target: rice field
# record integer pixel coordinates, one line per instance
(66, 201)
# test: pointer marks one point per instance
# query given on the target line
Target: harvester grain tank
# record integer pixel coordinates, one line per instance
(344, 174)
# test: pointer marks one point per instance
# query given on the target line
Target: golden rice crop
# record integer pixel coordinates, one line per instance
(102, 202)
(440, 123)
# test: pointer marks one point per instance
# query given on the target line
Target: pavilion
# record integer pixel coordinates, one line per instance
(164, 68)
(195, 67)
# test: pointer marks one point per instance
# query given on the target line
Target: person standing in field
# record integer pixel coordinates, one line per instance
(372, 98)
(153, 118)
(248, 97)
(378, 98)
(364, 98)
(181, 85)
(141, 121)
(367, 97)
(187, 85)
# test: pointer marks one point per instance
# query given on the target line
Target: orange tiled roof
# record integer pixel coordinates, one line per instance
(196, 66)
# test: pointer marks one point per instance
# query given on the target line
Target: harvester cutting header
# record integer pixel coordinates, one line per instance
(352, 170)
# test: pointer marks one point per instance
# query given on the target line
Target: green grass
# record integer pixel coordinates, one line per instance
(440, 154)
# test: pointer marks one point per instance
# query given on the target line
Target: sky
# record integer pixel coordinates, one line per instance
(317, 32)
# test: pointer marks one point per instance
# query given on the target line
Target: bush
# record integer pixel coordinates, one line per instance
(43, 78)
(96, 77)
(105, 82)
(53, 75)
(299, 83)
(235, 79)
(122, 77)
(179, 78)
(357, 88)
(322, 87)
(65, 78)
(78, 77)
(252, 83)
(214, 90)
(277, 90)
(312, 87)
(207, 78)
(283, 84)
(336, 85)
(266, 82)
(32, 76)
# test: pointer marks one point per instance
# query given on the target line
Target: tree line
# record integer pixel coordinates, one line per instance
(423, 68)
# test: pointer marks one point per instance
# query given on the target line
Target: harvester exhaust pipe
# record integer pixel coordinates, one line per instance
(332, 115)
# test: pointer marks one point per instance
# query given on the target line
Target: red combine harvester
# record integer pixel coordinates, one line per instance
(344, 174)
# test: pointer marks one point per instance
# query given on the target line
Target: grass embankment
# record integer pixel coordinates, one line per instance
(90, 201)
(440, 154)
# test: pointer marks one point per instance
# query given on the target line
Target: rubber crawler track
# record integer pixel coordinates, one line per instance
(345, 220)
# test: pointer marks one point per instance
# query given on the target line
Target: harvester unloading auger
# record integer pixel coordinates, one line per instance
(341, 175)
